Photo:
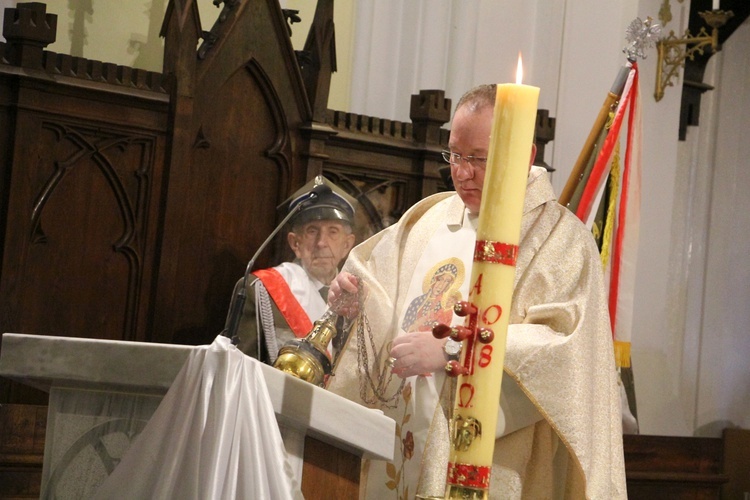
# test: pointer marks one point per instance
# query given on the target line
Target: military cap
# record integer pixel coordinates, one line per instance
(323, 200)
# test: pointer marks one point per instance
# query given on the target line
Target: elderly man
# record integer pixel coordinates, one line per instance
(284, 301)
(558, 432)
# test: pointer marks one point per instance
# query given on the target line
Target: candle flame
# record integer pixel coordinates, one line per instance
(519, 70)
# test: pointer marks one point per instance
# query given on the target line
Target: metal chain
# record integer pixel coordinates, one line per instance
(364, 336)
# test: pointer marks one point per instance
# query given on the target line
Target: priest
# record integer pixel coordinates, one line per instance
(559, 429)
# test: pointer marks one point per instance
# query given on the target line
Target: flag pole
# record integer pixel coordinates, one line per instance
(640, 35)
(610, 103)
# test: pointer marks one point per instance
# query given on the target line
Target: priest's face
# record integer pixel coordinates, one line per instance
(470, 137)
(320, 245)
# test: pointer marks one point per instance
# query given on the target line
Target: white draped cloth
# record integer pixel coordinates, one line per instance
(213, 436)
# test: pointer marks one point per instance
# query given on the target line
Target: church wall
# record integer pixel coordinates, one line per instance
(723, 371)
(654, 353)
(698, 382)
(127, 33)
(340, 94)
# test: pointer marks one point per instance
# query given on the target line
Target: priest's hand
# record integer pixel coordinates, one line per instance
(342, 295)
(417, 353)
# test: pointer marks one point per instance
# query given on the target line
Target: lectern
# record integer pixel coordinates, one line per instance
(102, 394)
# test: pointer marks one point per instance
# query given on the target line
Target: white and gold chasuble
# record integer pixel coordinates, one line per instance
(559, 434)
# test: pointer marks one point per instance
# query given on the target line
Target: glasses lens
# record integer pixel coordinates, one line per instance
(447, 156)
(476, 162)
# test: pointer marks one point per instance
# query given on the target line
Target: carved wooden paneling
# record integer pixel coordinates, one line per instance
(83, 215)
(736, 463)
(247, 107)
(6, 153)
(22, 429)
(674, 467)
(83, 148)
(238, 175)
(382, 199)
(381, 163)
(91, 191)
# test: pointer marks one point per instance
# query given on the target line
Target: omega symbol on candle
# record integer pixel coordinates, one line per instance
(465, 395)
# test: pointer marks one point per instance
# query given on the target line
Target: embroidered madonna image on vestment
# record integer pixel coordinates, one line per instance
(440, 291)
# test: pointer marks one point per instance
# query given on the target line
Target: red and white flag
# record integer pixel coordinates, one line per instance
(610, 205)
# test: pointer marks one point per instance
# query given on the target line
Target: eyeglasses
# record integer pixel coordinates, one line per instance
(477, 162)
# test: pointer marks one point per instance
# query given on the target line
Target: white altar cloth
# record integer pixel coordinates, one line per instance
(134, 377)
(214, 436)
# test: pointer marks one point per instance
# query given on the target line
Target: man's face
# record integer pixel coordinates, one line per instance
(320, 246)
(470, 136)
